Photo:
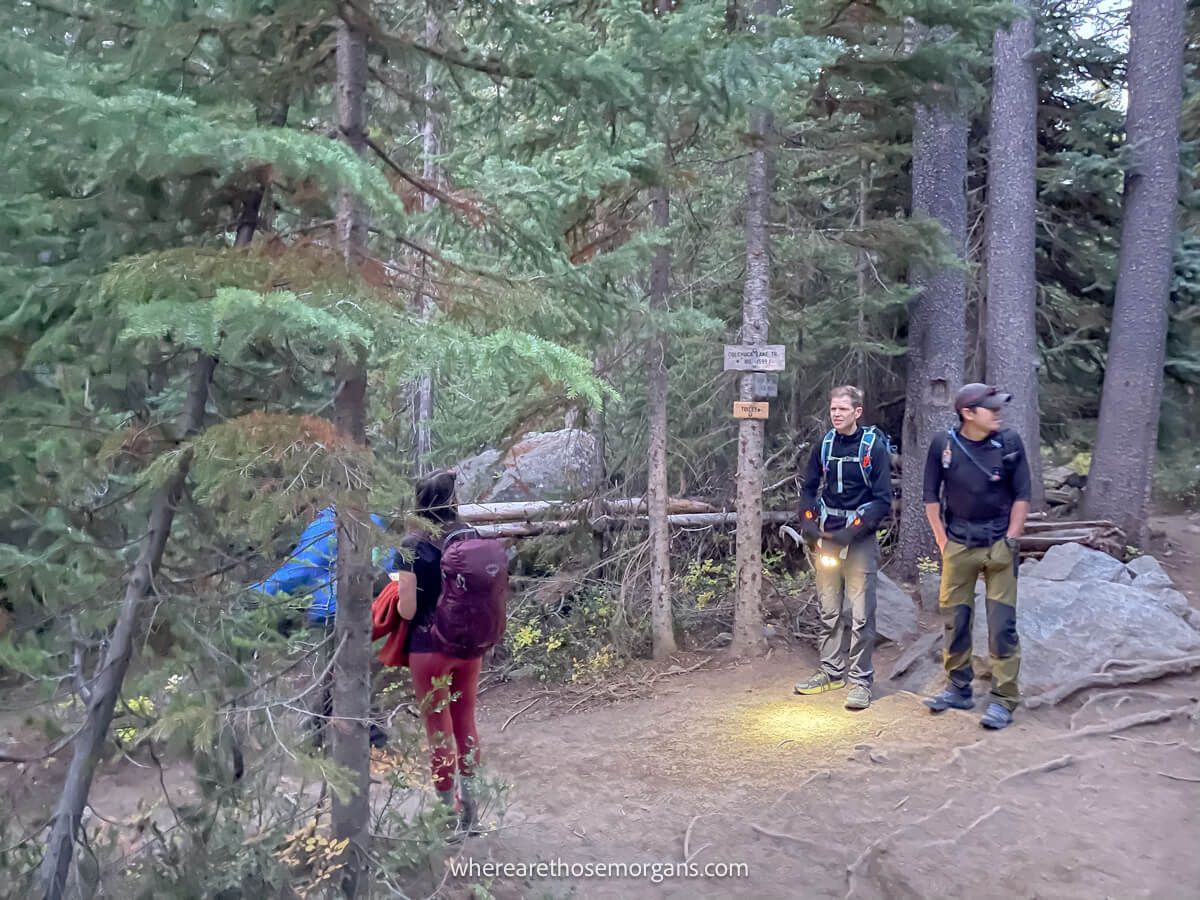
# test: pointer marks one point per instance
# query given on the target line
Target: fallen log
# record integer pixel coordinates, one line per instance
(541, 510)
(614, 523)
(1037, 526)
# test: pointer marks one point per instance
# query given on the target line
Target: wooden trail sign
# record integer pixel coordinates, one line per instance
(754, 357)
(747, 410)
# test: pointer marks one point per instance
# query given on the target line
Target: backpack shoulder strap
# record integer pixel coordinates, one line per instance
(827, 448)
(864, 452)
(462, 532)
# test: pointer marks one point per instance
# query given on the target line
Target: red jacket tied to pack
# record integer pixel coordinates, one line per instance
(386, 620)
(471, 609)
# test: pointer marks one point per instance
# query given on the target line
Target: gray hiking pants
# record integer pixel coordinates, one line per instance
(847, 596)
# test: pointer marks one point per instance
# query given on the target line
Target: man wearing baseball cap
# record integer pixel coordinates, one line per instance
(976, 499)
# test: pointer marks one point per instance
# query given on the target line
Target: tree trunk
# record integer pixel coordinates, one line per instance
(1119, 483)
(937, 317)
(52, 876)
(352, 624)
(662, 622)
(68, 812)
(1012, 349)
(747, 611)
(431, 148)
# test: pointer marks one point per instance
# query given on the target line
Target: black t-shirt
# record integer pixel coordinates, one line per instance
(975, 507)
(424, 560)
(854, 491)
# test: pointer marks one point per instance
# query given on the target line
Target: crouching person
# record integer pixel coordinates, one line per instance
(846, 493)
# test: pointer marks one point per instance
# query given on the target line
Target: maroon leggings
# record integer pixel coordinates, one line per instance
(444, 719)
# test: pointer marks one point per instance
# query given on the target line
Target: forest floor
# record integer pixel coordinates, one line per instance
(719, 762)
(726, 764)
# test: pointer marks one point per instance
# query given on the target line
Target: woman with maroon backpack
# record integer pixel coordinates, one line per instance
(452, 586)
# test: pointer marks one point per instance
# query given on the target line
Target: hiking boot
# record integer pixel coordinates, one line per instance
(950, 698)
(996, 716)
(468, 805)
(819, 683)
(858, 697)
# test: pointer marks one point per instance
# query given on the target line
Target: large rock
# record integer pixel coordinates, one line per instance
(1075, 562)
(895, 611)
(1069, 629)
(543, 465)
(476, 475)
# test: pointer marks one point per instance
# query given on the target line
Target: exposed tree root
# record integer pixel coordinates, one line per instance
(1050, 766)
(1124, 697)
(1146, 718)
(1139, 671)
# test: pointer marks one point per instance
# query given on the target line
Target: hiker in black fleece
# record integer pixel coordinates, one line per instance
(845, 494)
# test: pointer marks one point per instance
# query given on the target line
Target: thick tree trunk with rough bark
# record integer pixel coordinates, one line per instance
(937, 317)
(352, 624)
(747, 611)
(662, 622)
(1012, 351)
(1119, 483)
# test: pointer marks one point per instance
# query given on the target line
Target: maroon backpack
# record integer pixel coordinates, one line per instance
(472, 610)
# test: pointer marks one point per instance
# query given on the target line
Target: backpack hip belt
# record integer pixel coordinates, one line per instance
(847, 514)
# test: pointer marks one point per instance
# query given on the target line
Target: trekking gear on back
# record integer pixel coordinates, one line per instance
(871, 436)
(472, 612)
(1008, 456)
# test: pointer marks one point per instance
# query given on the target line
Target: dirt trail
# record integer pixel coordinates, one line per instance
(916, 801)
(819, 802)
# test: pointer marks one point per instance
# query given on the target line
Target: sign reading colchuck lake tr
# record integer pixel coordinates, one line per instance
(754, 358)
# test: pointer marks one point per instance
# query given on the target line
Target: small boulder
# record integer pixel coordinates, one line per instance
(1144, 565)
(895, 611)
(1075, 562)
(1154, 581)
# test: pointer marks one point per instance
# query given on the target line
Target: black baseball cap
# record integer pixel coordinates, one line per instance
(975, 394)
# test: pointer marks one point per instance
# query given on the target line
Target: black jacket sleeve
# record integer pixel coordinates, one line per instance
(810, 481)
(933, 469)
(1020, 472)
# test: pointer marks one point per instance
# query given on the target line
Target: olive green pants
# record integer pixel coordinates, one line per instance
(961, 568)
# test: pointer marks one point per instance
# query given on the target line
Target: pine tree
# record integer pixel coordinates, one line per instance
(1120, 479)
(1012, 347)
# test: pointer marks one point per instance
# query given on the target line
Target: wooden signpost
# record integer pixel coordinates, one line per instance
(750, 410)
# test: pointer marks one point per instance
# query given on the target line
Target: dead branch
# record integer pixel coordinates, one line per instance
(1143, 670)
(1052, 765)
(784, 837)
(951, 841)
(687, 836)
(1125, 695)
(1147, 741)
(1146, 718)
(875, 847)
(527, 706)
(956, 755)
